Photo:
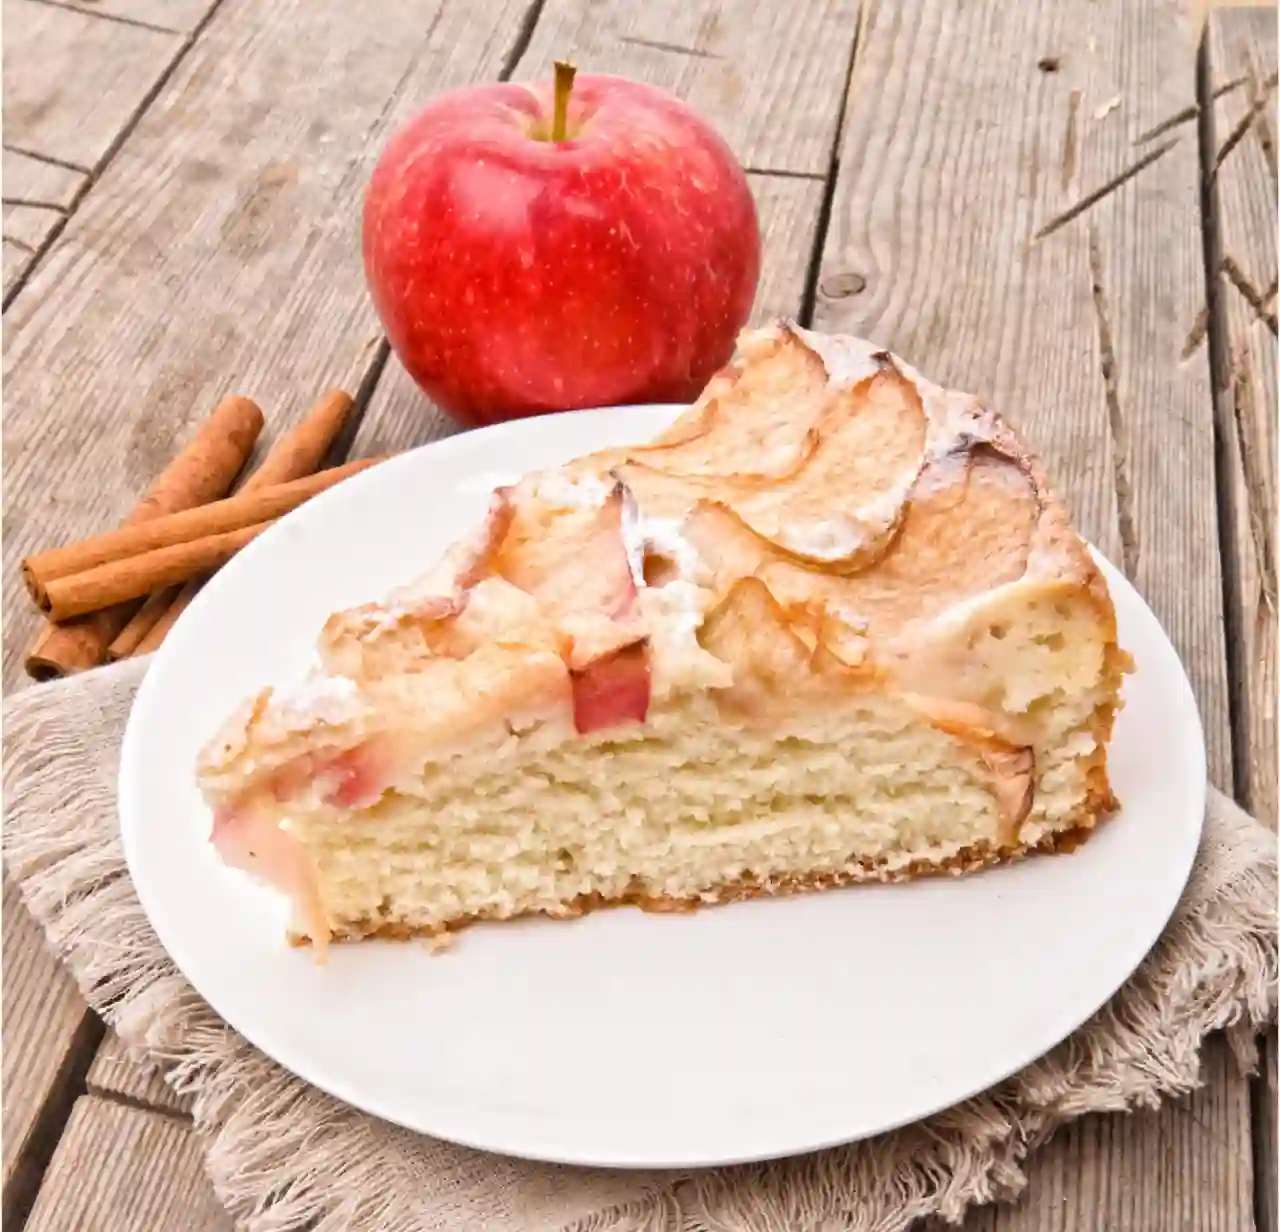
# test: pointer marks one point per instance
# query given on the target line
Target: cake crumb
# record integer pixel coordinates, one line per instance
(437, 943)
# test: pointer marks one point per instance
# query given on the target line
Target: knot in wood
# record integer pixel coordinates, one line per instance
(842, 285)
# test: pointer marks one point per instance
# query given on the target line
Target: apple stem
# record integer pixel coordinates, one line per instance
(564, 85)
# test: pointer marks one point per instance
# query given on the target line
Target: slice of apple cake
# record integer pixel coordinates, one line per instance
(830, 627)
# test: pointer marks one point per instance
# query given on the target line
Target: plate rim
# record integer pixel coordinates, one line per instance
(128, 788)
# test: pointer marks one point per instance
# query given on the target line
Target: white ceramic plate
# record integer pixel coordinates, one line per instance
(745, 1032)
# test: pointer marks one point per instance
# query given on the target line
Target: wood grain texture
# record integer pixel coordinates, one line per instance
(113, 1073)
(122, 1169)
(969, 130)
(1266, 1101)
(401, 417)
(218, 251)
(29, 226)
(769, 76)
(178, 15)
(48, 1042)
(38, 195)
(16, 259)
(73, 81)
(26, 228)
(33, 181)
(1144, 1172)
(1242, 44)
(1241, 137)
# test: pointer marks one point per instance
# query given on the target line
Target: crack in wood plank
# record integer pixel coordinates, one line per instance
(102, 15)
(634, 40)
(1071, 140)
(1227, 86)
(1257, 300)
(810, 296)
(24, 1183)
(784, 175)
(341, 446)
(1244, 409)
(17, 243)
(36, 205)
(1115, 416)
(1199, 331)
(47, 158)
(1091, 199)
(131, 1101)
(524, 36)
(1257, 108)
(1184, 116)
(92, 173)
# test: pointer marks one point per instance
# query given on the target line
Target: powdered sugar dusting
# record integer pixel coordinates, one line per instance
(830, 539)
(317, 698)
(561, 490)
(848, 361)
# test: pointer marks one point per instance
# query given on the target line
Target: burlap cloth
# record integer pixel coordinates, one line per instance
(282, 1155)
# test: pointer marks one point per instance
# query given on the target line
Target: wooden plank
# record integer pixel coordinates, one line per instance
(219, 250)
(1119, 1173)
(33, 181)
(48, 1041)
(1266, 1100)
(26, 228)
(16, 260)
(72, 81)
(1241, 47)
(123, 1169)
(970, 132)
(770, 76)
(1242, 44)
(179, 15)
(401, 417)
(37, 197)
(113, 1073)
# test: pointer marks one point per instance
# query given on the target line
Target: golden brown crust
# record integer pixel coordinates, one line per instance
(823, 524)
(972, 859)
(848, 481)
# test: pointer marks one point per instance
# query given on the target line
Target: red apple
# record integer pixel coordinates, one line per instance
(516, 273)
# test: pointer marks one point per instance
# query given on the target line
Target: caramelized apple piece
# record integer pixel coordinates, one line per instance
(349, 778)
(772, 664)
(374, 638)
(967, 528)
(842, 504)
(580, 566)
(613, 690)
(757, 422)
(253, 841)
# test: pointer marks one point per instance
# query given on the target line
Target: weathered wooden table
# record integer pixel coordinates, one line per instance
(1053, 203)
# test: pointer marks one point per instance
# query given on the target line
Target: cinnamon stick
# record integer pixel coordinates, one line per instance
(203, 470)
(297, 453)
(155, 636)
(301, 450)
(141, 623)
(217, 518)
(130, 577)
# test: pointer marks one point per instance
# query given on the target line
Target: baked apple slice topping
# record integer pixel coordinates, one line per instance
(253, 841)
